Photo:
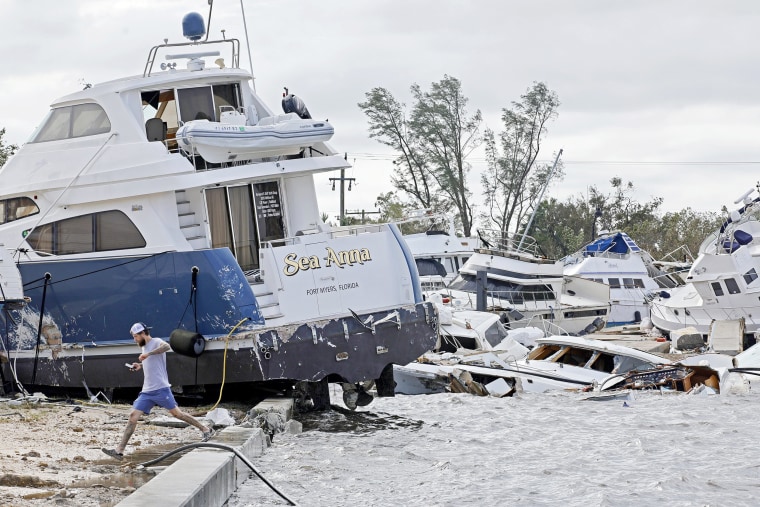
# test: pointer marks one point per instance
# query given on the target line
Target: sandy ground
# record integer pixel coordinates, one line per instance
(50, 452)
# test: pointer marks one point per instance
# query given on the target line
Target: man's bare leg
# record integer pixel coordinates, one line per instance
(134, 417)
(179, 414)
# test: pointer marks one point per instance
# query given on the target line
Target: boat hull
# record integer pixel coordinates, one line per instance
(89, 305)
(339, 349)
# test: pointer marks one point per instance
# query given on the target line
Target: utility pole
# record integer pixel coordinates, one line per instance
(342, 180)
(362, 213)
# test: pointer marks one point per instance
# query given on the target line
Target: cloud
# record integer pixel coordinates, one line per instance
(646, 81)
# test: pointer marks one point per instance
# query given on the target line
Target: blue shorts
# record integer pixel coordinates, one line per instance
(161, 397)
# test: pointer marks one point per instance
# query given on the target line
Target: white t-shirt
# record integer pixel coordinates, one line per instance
(154, 367)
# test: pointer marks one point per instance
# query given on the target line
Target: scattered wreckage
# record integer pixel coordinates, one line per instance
(577, 363)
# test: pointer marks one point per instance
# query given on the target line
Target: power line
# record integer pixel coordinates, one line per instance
(391, 157)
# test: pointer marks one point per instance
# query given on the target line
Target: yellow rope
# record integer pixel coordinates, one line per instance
(224, 364)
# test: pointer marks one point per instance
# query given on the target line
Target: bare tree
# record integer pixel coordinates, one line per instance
(513, 179)
(447, 137)
(433, 144)
(388, 124)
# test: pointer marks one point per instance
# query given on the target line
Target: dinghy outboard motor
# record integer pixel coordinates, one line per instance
(292, 104)
(187, 343)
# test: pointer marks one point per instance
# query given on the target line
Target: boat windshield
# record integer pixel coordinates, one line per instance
(69, 122)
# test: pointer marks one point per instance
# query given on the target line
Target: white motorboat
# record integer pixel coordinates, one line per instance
(722, 284)
(232, 139)
(110, 223)
(631, 273)
(527, 289)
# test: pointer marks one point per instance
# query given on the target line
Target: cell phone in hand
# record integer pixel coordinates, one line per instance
(128, 365)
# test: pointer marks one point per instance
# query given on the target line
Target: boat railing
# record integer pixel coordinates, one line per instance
(516, 243)
(234, 43)
(353, 230)
(547, 326)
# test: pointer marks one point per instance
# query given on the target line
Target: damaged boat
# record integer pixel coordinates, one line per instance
(110, 221)
(723, 283)
(514, 280)
(463, 334)
(632, 274)
(556, 363)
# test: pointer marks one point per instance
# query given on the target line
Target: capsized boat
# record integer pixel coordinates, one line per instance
(722, 284)
(111, 223)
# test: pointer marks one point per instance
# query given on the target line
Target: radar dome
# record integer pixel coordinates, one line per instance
(193, 26)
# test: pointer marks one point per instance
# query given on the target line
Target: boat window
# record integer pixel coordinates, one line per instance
(96, 232)
(196, 104)
(226, 95)
(717, 289)
(69, 122)
(507, 292)
(624, 364)
(638, 283)
(161, 104)
(750, 276)
(231, 220)
(732, 286)
(17, 207)
(628, 283)
(495, 334)
(575, 357)
(430, 267)
(269, 216)
(614, 283)
(603, 362)
(575, 314)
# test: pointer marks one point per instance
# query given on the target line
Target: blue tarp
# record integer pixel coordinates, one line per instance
(619, 243)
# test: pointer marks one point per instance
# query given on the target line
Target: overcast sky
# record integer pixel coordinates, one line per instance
(665, 94)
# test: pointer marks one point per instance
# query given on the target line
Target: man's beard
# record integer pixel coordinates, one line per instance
(141, 341)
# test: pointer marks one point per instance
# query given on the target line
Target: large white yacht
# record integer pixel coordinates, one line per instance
(113, 217)
(527, 289)
(722, 284)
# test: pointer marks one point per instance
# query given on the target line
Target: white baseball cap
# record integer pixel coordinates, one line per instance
(138, 327)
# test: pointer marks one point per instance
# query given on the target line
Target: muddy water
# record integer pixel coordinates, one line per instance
(532, 450)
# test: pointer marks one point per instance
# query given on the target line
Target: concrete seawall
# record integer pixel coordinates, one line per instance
(207, 477)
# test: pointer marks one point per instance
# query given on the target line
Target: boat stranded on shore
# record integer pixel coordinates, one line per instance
(126, 205)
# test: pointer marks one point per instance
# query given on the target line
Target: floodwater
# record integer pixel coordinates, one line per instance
(532, 449)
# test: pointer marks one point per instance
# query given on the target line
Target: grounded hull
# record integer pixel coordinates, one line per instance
(88, 305)
(339, 348)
